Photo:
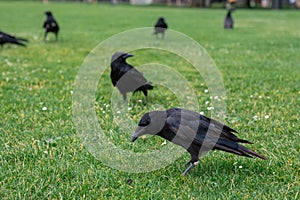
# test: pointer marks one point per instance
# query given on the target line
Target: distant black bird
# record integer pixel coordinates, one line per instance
(228, 22)
(50, 25)
(194, 132)
(6, 38)
(126, 78)
(160, 27)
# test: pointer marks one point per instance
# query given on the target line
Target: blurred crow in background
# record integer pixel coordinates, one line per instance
(126, 78)
(50, 25)
(194, 132)
(6, 38)
(228, 22)
(160, 27)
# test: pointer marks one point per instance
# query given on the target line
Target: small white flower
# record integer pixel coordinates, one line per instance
(140, 101)
(8, 62)
(71, 92)
(44, 108)
(164, 143)
(210, 108)
(240, 166)
(251, 96)
(268, 97)
(255, 117)
(267, 116)
(107, 105)
(259, 97)
(201, 113)
(240, 100)
(206, 102)
(118, 112)
(206, 91)
(216, 97)
(129, 108)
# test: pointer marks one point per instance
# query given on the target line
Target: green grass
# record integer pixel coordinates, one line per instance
(42, 156)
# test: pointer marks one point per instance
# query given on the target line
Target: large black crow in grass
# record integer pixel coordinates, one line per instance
(6, 38)
(194, 132)
(126, 78)
(160, 27)
(50, 25)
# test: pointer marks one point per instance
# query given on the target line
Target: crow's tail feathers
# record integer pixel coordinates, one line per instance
(249, 151)
(22, 39)
(235, 148)
(148, 86)
(144, 88)
(18, 43)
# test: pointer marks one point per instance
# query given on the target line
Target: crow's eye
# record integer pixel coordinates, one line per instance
(145, 121)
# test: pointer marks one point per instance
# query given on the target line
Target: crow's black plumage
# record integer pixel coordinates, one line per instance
(126, 78)
(194, 132)
(228, 22)
(50, 25)
(160, 27)
(6, 38)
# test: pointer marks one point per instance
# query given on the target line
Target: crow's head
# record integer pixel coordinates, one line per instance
(120, 56)
(161, 19)
(151, 123)
(48, 13)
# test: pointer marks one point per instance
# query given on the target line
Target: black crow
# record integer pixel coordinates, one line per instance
(6, 38)
(160, 27)
(228, 22)
(50, 25)
(126, 78)
(194, 132)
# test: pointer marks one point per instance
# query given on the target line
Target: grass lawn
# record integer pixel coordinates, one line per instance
(42, 156)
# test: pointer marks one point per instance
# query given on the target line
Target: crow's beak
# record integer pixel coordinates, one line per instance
(127, 55)
(133, 139)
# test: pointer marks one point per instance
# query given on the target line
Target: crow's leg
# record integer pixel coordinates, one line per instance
(45, 36)
(124, 97)
(190, 167)
(56, 36)
(146, 95)
(188, 162)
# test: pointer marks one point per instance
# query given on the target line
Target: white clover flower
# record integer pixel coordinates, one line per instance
(255, 117)
(129, 108)
(259, 97)
(201, 113)
(240, 166)
(206, 102)
(164, 143)
(140, 101)
(71, 92)
(267, 116)
(44, 108)
(251, 96)
(210, 108)
(118, 112)
(206, 91)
